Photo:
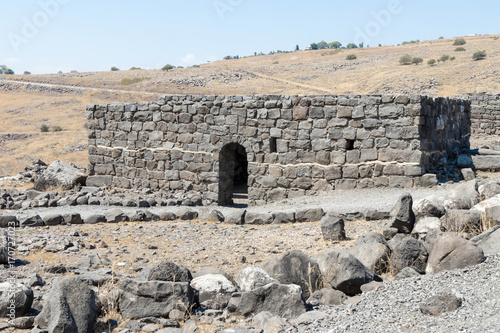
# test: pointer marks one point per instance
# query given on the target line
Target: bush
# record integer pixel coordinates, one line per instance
(276, 63)
(441, 37)
(44, 128)
(195, 66)
(351, 57)
(114, 69)
(5, 70)
(406, 59)
(460, 49)
(27, 73)
(57, 128)
(444, 58)
(459, 41)
(479, 55)
(134, 68)
(417, 60)
(431, 62)
(167, 67)
(452, 58)
(351, 46)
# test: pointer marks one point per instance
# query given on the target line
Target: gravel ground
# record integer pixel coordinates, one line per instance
(395, 307)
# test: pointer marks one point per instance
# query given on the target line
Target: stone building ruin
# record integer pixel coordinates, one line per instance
(274, 147)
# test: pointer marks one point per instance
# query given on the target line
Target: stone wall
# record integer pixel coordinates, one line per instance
(485, 113)
(294, 145)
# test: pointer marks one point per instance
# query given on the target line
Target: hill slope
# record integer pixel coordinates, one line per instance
(24, 107)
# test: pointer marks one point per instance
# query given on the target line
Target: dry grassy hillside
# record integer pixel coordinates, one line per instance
(376, 70)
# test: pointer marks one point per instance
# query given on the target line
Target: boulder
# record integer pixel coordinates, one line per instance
(429, 207)
(215, 290)
(332, 228)
(205, 270)
(371, 237)
(258, 218)
(409, 252)
(463, 196)
(253, 277)
(406, 273)
(403, 217)
(141, 299)
(60, 175)
(488, 203)
(374, 256)
(284, 217)
(344, 272)
(267, 322)
(451, 252)
(169, 271)
(376, 215)
(236, 216)
(94, 219)
(468, 174)
(115, 215)
(462, 221)
(72, 218)
(488, 241)
(309, 214)
(441, 303)
(18, 294)
(99, 181)
(30, 220)
(491, 216)
(70, 306)
(283, 300)
(327, 297)
(489, 189)
(8, 221)
(424, 224)
(52, 219)
(295, 267)
(187, 214)
(486, 162)
(211, 215)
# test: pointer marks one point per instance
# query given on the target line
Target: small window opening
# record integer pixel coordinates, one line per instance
(349, 145)
(272, 145)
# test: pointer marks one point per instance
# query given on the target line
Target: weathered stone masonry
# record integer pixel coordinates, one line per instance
(485, 113)
(294, 145)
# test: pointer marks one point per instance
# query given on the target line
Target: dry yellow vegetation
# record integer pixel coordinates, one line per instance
(375, 71)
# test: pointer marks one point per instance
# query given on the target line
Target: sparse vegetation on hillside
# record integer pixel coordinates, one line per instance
(134, 68)
(417, 60)
(6, 70)
(460, 49)
(351, 57)
(459, 41)
(410, 42)
(167, 67)
(444, 58)
(128, 81)
(431, 62)
(44, 128)
(57, 128)
(479, 55)
(114, 69)
(405, 59)
(27, 73)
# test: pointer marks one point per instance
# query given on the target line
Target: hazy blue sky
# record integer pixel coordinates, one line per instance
(45, 36)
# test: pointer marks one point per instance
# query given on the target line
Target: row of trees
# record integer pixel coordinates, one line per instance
(334, 45)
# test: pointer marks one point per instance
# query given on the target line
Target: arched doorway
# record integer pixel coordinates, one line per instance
(233, 175)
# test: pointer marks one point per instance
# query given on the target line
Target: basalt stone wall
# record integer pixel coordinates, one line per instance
(485, 113)
(294, 145)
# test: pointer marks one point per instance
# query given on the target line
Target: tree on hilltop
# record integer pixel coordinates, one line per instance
(335, 45)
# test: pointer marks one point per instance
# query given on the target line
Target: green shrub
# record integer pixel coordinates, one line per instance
(351, 46)
(444, 58)
(431, 62)
(441, 37)
(167, 67)
(276, 63)
(405, 59)
(452, 58)
(195, 66)
(27, 73)
(44, 128)
(114, 69)
(479, 55)
(351, 57)
(417, 60)
(460, 49)
(134, 68)
(459, 41)
(57, 128)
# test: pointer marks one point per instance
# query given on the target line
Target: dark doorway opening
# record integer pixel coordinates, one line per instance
(233, 175)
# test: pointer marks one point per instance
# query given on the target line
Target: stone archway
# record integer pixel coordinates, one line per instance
(233, 174)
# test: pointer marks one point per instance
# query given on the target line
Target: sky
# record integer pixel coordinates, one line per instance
(47, 36)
